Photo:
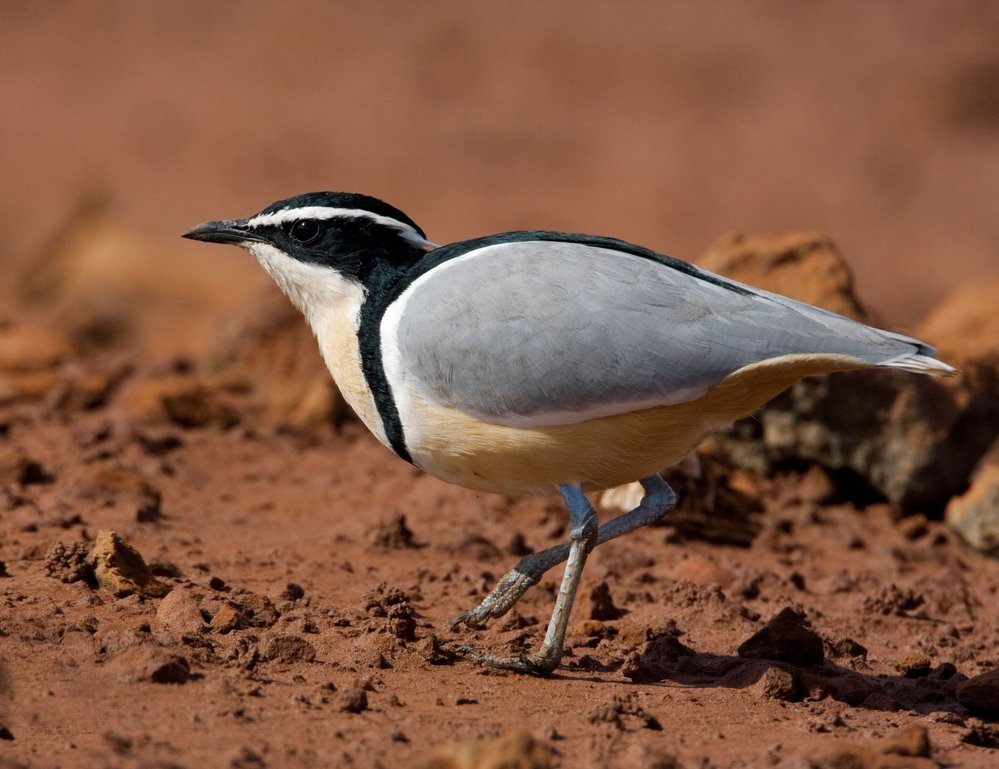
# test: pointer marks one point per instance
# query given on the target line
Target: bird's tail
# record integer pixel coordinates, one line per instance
(919, 360)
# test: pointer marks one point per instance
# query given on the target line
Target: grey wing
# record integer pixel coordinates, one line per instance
(550, 332)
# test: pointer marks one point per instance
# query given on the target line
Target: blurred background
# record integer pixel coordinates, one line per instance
(666, 123)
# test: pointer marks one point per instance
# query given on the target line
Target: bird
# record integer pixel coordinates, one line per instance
(533, 362)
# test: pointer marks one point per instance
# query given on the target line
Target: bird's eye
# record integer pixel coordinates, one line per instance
(304, 231)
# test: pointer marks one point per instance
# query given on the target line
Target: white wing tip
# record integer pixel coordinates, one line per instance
(921, 364)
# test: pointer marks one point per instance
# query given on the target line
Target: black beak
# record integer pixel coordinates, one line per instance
(224, 231)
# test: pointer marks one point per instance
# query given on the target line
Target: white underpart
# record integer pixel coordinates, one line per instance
(404, 384)
(286, 215)
(312, 288)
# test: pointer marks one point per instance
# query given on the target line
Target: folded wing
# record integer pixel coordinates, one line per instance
(545, 332)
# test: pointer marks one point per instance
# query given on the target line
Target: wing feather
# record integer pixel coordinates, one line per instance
(549, 332)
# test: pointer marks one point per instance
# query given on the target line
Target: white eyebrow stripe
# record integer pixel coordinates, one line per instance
(286, 215)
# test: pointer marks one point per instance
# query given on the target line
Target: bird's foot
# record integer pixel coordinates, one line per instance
(541, 664)
(506, 593)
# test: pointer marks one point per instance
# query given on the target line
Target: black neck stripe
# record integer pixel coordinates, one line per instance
(380, 294)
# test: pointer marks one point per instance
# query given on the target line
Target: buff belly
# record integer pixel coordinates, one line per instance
(599, 453)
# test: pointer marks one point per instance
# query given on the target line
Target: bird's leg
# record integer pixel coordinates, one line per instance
(582, 539)
(658, 500)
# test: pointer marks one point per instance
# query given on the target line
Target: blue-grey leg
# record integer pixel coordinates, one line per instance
(658, 500)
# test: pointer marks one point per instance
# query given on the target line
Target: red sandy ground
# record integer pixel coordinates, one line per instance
(875, 124)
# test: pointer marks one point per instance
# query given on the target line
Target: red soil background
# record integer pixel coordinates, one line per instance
(669, 124)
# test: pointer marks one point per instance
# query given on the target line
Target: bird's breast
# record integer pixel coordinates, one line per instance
(336, 332)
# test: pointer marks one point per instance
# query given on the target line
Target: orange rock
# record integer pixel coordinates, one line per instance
(965, 325)
(914, 439)
(975, 514)
(120, 568)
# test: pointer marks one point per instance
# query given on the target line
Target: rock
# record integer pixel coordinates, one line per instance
(517, 750)
(788, 638)
(393, 604)
(246, 757)
(912, 740)
(288, 649)
(292, 592)
(842, 646)
(805, 266)
(390, 534)
(982, 736)
(965, 325)
(658, 658)
(621, 711)
(227, 618)
(258, 610)
(914, 665)
(268, 355)
(591, 628)
(353, 699)
(151, 663)
(601, 605)
(980, 694)
(179, 613)
(974, 515)
(118, 567)
(779, 683)
(914, 439)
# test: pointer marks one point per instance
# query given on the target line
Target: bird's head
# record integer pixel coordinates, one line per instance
(323, 244)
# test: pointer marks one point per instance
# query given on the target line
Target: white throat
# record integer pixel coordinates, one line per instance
(314, 289)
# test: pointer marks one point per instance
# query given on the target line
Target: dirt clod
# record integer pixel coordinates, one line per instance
(658, 658)
(289, 649)
(119, 568)
(912, 740)
(786, 637)
(292, 592)
(179, 613)
(623, 712)
(143, 662)
(227, 618)
(353, 699)
(980, 694)
(602, 606)
(779, 683)
(982, 736)
(68, 563)
(518, 750)
(392, 534)
(394, 605)
(914, 665)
